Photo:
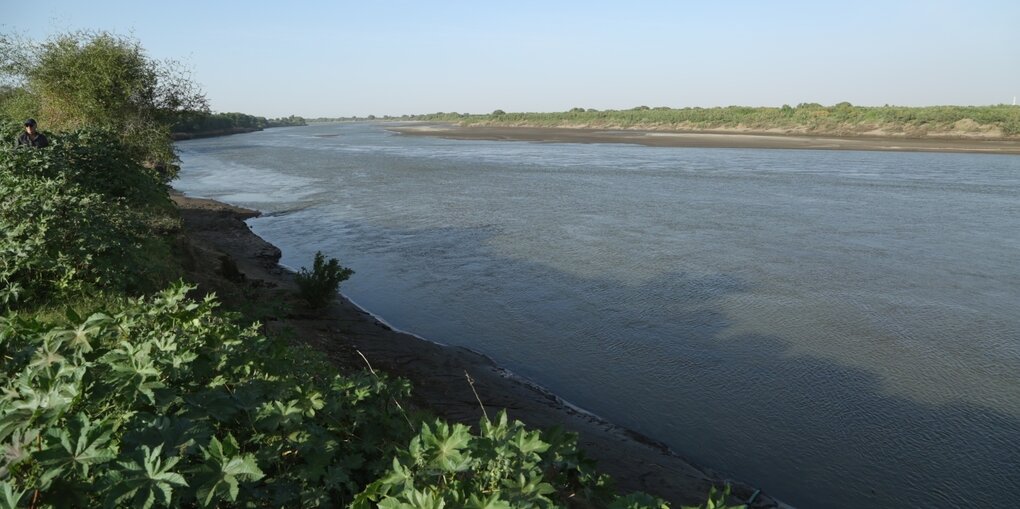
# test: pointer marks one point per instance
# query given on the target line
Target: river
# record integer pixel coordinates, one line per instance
(839, 328)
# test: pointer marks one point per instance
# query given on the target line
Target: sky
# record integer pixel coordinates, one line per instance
(382, 57)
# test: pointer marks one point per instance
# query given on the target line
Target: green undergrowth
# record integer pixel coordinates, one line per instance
(319, 286)
(163, 401)
(81, 217)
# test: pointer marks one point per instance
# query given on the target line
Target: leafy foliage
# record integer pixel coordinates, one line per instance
(78, 217)
(319, 285)
(166, 403)
(503, 466)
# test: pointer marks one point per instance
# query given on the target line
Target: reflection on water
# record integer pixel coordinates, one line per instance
(839, 328)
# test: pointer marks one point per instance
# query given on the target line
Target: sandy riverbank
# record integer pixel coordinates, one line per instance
(223, 255)
(710, 139)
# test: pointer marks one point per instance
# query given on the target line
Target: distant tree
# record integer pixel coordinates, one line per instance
(292, 120)
(576, 110)
(497, 113)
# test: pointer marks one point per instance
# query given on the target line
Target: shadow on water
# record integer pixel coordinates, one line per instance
(828, 435)
(657, 356)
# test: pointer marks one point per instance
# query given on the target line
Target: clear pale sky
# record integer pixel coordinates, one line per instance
(364, 57)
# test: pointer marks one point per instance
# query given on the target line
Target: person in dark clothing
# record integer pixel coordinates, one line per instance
(32, 137)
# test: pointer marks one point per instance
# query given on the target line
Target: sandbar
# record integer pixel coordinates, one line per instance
(710, 139)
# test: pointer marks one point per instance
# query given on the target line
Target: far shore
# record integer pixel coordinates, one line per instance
(213, 134)
(710, 139)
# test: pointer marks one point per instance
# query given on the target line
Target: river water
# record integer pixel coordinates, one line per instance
(839, 328)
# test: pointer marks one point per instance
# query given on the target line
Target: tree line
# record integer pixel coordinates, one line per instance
(203, 122)
(840, 119)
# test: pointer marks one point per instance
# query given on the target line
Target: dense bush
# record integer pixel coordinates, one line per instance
(78, 217)
(319, 286)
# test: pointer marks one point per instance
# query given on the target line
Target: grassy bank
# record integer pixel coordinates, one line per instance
(844, 119)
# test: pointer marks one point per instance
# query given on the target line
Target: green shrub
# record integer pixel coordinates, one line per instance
(504, 465)
(319, 286)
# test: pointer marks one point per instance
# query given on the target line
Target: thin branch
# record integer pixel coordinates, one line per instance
(395, 402)
(471, 382)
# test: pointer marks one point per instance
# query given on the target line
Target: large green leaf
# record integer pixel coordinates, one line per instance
(17, 449)
(79, 337)
(273, 415)
(142, 484)
(10, 496)
(78, 446)
(445, 446)
(224, 468)
(177, 434)
(491, 502)
(133, 370)
(39, 398)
